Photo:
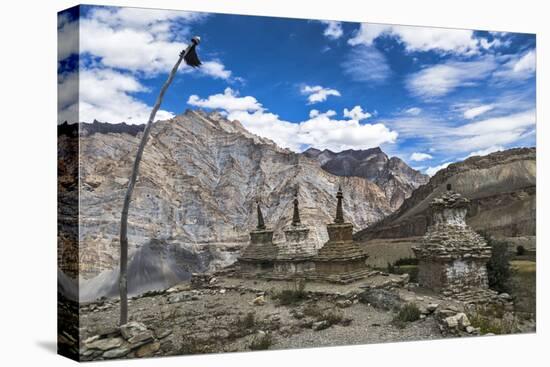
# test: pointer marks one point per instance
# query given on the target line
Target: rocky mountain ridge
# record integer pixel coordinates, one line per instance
(501, 187)
(392, 175)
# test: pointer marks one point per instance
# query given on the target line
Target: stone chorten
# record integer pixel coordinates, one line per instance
(340, 259)
(295, 253)
(452, 257)
(259, 254)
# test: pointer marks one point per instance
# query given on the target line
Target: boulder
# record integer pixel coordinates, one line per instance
(132, 329)
(147, 350)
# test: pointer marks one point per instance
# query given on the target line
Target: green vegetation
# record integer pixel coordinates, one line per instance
(408, 313)
(332, 317)
(523, 287)
(498, 266)
(261, 342)
(292, 296)
(492, 319)
(408, 265)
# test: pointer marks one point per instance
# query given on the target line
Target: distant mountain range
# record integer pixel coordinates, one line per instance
(392, 175)
(501, 187)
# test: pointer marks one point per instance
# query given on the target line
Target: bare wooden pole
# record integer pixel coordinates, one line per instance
(123, 279)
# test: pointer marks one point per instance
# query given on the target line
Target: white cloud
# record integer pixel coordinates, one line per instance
(526, 64)
(228, 101)
(141, 40)
(418, 157)
(366, 64)
(104, 95)
(459, 41)
(357, 113)
(333, 30)
(67, 36)
(482, 152)
(473, 112)
(320, 130)
(518, 67)
(316, 113)
(414, 111)
(316, 94)
(441, 79)
(433, 170)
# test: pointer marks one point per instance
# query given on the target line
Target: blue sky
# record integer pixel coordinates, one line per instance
(428, 95)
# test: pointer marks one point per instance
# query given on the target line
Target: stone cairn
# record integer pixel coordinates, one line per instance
(452, 257)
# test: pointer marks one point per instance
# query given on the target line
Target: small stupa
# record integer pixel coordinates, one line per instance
(258, 256)
(340, 259)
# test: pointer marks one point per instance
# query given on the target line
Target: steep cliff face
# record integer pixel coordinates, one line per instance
(392, 175)
(199, 179)
(501, 187)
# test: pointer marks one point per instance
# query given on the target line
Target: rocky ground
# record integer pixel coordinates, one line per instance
(230, 315)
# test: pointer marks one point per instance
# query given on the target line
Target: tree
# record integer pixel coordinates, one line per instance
(190, 57)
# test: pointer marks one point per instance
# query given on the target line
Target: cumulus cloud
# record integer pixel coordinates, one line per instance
(141, 40)
(104, 95)
(333, 30)
(418, 157)
(458, 41)
(320, 130)
(229, 101)
(120, 47)
(441, 79)
(366, 64)
(433, 170)
(473, 112)
(357, 113)
(316, 94)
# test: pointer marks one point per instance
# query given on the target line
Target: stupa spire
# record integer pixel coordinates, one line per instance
(261, 223)
(339, 211)
(296, 215)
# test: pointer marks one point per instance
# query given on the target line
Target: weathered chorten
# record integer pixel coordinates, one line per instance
(258, 256)
(340, 259)
(295, 253)
(452, 257)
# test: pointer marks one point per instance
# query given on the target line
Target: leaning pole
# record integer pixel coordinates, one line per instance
(191, 59)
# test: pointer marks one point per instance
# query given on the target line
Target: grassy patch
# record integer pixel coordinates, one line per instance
(523, 286)
(493, 319)
(292, 296)
(408, 313)
(261, 342)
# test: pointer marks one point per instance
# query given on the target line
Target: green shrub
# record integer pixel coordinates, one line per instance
(292, 296)
(498, 266)
(408, 313)
(261, 342)
(520, 250)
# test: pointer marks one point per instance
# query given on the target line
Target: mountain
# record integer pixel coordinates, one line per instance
(392, 175)
(502, 190)
(199, 180)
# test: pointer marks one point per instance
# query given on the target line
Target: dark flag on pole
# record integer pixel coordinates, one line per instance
(190, 56)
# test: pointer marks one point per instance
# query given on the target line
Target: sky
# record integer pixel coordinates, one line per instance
(431, 96)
